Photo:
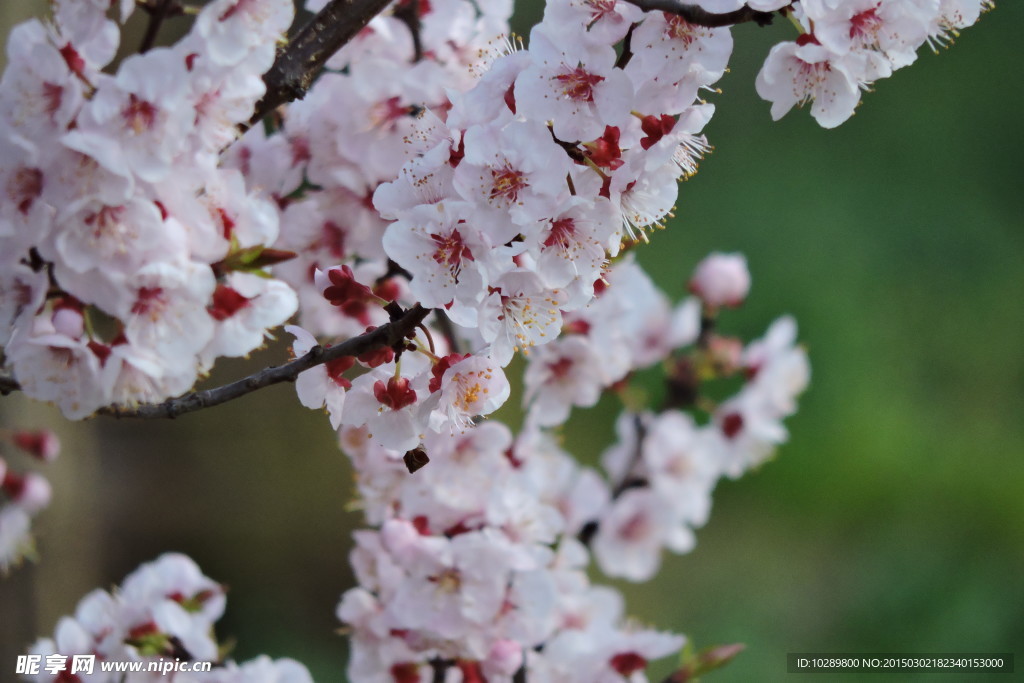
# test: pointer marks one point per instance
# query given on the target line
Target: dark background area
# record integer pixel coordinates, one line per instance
(893, 521)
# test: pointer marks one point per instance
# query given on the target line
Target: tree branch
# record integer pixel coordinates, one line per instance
(306, 53)
(8, 385)
(390, 334)
(158, 11)
(444, 324)
(701, 17)
(408, 13)
(630, 480)
(439, 668)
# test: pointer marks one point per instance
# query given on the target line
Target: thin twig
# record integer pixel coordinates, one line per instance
(707, 329)
(408, 12)
(701, 17)
(391, 334)
(630, 480)
(8, 385)
(440, 667)
(444, 324)
(306, 53)
(627, 49)
(394, 270)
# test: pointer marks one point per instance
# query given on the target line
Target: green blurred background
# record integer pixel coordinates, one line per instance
(893, 520)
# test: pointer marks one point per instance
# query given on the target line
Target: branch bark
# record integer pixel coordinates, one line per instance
(300, 61)
(409, 14)
(439, 668)
(390, 334)
(630, 480)
(158, 11)
(8, 385)
(701, 17)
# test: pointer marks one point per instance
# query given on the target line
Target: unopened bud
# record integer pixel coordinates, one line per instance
(42, 444)
(505, 658)
(721, 280)
(31, 492)
(720, 655)
(68, 322)
(399, 536)
(726, 354)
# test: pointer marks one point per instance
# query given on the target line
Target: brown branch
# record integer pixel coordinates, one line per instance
(394, 270)
(701, 17)
(440, 668)
(391, 334)
(444, 324)
(158, 11)
(630, 480)
(8, 385)
(306, 53)
(707, 329)
(408, 12)
(627, 48)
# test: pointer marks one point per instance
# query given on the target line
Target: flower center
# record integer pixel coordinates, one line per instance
(562, 232)
(150, 301)
(140, 115)
(578, 84)
(865, 25)
(449, 252)
(506, 183)
(677, 28)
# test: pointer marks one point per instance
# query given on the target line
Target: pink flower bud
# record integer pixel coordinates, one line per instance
(399, 535)
(504, 659)
(396, 394)
(31, 492)
(340, 287)
(721, 280)
(69, 322)
(726, 353)
(42, 444)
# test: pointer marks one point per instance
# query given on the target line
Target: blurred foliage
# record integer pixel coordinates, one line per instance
(892, 521)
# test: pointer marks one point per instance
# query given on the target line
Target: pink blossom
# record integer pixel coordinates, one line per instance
(721, 280)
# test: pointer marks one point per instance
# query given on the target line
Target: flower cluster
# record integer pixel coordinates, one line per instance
(351, 133)
(434, 165)
(164, 609)
(465, 567)
(667, 464)
(23, 494)
(129, 259)
(514, 196)
(509, 201)
(846, 45)
(480, 555)
(511, 206)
